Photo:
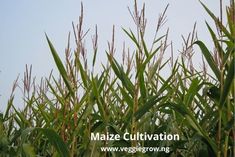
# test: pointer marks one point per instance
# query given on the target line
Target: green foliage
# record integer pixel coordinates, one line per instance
(133, 96)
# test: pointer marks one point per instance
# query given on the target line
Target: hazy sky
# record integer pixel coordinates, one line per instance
(23, 23)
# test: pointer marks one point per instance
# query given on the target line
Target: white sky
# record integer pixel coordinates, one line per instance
(23, 23)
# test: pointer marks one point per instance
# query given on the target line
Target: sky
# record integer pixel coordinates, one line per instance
(24, 24)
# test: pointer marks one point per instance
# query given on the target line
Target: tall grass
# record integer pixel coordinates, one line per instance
(129, 96)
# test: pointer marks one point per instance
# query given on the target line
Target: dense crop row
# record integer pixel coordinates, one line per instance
(60, 114)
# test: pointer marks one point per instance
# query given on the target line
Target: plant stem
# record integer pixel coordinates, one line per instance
(219, 134)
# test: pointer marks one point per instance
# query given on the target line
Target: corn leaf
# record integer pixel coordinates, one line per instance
(228, 83)
(146, 107)
(209, 58)
(219, 23)
(60, 67)
(52, 137)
